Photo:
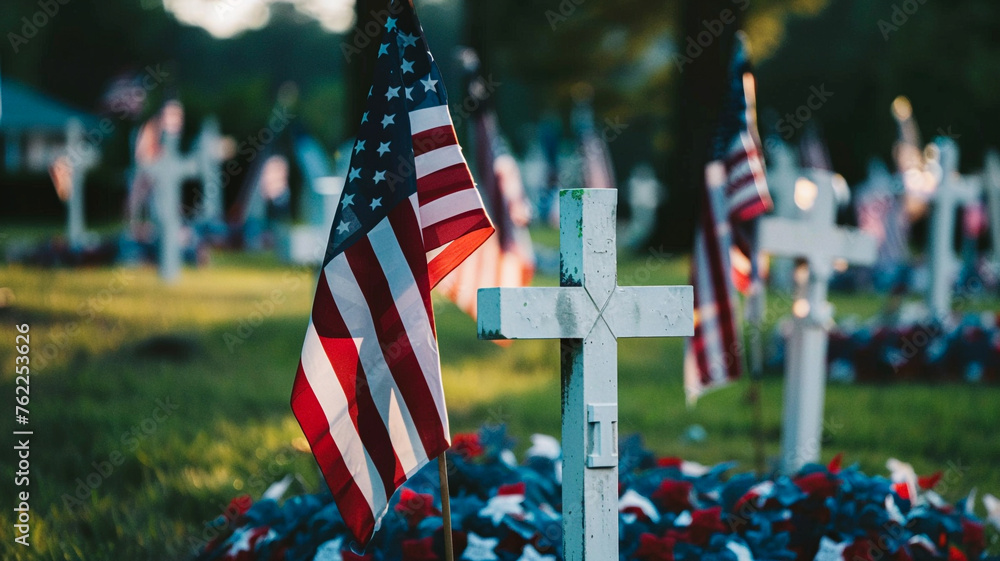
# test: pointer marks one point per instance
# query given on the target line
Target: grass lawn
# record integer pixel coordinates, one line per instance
(153, 406)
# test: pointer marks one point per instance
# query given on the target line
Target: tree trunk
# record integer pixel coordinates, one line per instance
(701, 94)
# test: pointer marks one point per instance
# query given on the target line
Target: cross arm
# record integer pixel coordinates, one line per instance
(784, 236)
(535, 313)
(651, 311)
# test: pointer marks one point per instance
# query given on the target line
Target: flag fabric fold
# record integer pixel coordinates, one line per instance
(368, 392)
(734, 195)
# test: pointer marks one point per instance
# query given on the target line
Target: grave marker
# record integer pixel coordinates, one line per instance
(952, 191)
(588, 312)
(819, 241)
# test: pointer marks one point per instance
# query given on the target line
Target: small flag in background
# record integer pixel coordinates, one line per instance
(368, 391)
(507, 258)
(735, 194)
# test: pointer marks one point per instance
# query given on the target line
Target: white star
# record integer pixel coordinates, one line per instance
(343, 227)
(383, 49)
(390, 23)
(241, 541)
(383, 147)
(360, 146)
(388, 120)
(408, 92)
(408, 40)
(429, 84)
(480, 549)
(379, 176)
(364, 118)
(354, 174)
(348, 200)
(376, 202)
(531, 554)
(502, 505)
(391, 93)
(407, 66)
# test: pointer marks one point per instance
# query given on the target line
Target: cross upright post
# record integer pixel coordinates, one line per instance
(816, 239)
(588, 312)
(952, 190)
(169, 173)
(82, 156)
(781, 177)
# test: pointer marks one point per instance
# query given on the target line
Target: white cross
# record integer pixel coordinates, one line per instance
(209, 157)
(588, 312)
(952, 191)
(782, 173)
(169, 172)
(991, 181)
(82, 156)
(816, 239)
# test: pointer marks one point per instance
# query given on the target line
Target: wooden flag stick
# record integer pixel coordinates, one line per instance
(449, 550)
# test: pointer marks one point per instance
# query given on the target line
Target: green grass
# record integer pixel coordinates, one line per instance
(94, 392)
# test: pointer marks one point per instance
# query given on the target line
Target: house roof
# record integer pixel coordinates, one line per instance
(22, 108)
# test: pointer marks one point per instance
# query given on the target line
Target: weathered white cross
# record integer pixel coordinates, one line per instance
(952, 190)
(81, 156)
(816, 239)
(588, 312)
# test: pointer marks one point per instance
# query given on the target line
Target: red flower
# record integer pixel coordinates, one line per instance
(955, 554)
(973, 538)
(863, 549)
(670, 462)
(415, 506)
(929, 481)
(673, 496)
(652, 548)
(834, 465)
(705, 523)
(467, 445)
(512, 489)
(419, 550)
(818, 484)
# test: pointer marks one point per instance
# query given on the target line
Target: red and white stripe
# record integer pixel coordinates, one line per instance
(736, 192)
(368, 391)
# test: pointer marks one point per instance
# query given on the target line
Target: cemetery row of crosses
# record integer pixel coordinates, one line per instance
(589, 311)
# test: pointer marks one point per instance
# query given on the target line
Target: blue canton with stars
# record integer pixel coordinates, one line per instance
(382, 173)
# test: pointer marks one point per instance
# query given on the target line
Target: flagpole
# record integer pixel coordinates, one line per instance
(449, 551)
(754, 315)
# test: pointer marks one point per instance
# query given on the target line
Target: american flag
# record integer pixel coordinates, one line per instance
(506, 259)
(368, 392)
(735, 194)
